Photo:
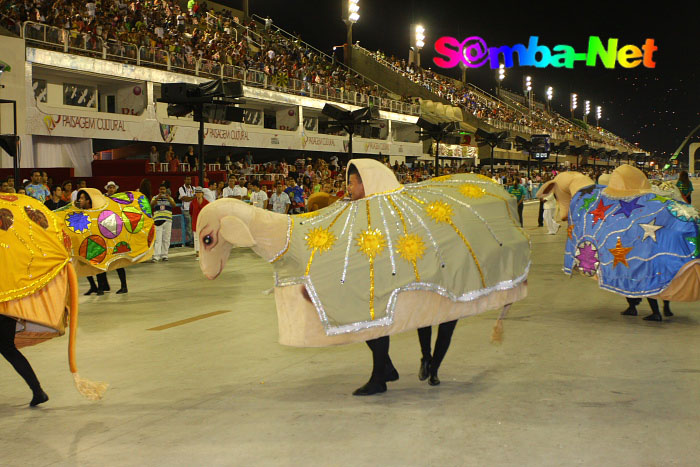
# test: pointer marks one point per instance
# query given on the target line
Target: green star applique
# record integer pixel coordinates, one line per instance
(695, 241)
(587, 203)
(660, 198)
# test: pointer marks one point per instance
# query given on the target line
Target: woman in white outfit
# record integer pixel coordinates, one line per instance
(550, 208)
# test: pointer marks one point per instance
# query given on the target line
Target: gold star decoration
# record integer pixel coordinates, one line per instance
(471, 190)
(320, 239)
(410, 247)
(440, 211)
(371, 243)
(620, 253)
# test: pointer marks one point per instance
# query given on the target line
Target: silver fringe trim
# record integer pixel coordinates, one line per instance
(391, 304)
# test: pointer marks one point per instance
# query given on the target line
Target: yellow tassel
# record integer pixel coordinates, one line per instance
(93, 390)
(497, 333)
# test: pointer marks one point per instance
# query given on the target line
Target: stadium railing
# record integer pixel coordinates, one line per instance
(53, 38)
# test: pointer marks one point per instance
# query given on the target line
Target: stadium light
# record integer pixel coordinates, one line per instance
(350, 13)
(420, 36)
(528, 89)
(598, 114)
(500, 76)
(550, 94)
(574, 103)
(417, 43)
(586, 110)
(353, 10)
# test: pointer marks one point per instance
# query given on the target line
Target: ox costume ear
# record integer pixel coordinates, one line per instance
(546, 189)
(236, 232)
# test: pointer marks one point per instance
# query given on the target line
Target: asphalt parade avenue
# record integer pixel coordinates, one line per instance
(197, 378)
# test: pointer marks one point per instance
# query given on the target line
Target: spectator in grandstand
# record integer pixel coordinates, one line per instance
(190, 158)
(233, 190)
(66, 191)
(258, 197)
(111, 188)
(279, 201)
(186, 195)
(162, 205)
(196, 207)
(45, 180)
(296, 196)
(154, 156)
(11, 184)
(249, 158)
(4, 188)
(36, 188)
(55, 201)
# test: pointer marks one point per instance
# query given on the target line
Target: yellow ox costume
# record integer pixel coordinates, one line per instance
(116, 232)
(402, 258)
(36, 278)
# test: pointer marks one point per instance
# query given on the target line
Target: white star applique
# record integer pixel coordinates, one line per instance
(650, 230)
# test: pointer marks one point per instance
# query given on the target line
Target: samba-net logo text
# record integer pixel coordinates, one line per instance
(473, 52)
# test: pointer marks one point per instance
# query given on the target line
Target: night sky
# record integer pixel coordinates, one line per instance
(656, 107)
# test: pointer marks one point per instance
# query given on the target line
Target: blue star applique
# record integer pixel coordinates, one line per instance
(626, 208)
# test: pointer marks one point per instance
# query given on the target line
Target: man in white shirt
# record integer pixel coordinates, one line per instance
(240, 189)
(279, 200)
(258, 198)
(186, 193)
(232, 190)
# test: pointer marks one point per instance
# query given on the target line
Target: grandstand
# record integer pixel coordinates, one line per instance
(96, 75)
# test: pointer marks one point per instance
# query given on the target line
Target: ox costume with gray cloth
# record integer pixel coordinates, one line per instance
(455, 236)
(402, 258)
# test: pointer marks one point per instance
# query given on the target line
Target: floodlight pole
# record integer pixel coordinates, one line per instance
(199, 114)
(437, 157)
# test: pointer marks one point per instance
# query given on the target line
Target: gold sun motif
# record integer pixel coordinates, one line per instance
(320, 239)
(371, 243)
(410, 247)
(441, 178)
(471, 190)
(440, 211)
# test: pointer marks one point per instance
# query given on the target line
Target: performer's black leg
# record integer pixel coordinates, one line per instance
(380, 354)
(540, 214)
(667, 308)
(442, 343)
(655, 315)
(122, 279)
(102, 282)
(424, 335)
(17, 360)
(93, 286)
(520, 213)
(632, 308)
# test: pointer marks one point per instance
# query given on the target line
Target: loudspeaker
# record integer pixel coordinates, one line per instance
(233, 89)
(9, 144)
(174, 93)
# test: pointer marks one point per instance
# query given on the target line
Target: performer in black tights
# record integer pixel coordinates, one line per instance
(653, 304)
(383, 370)
(102, 284)
(17, 360)
(429, 365)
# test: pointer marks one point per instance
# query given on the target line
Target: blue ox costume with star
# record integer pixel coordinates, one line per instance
(635, 245)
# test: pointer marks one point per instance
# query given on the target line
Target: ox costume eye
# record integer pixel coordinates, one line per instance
(207, 240)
